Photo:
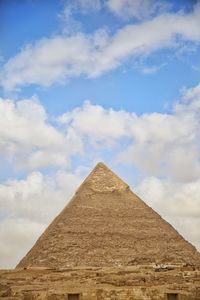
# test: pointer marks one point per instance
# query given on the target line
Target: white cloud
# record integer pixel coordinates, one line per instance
(38, 197)
(193, 94)
(187, 227)
(97, 123)
(171, 197)
(28, 140)
(167, 144)
(151, 69)
(69, 23)
(57, 59)
(17, 237)
(159, 144)
(138, 9)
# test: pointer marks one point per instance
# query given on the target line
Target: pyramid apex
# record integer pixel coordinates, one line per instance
(102, 179)
(100, 165)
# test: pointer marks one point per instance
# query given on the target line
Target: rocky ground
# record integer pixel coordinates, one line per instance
(119, 283)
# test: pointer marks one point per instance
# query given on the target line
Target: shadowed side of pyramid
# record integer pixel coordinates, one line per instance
(106, 224)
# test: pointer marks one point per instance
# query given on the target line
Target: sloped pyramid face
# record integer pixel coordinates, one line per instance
(106, 224)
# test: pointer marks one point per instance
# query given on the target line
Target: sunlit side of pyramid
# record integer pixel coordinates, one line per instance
(106, 224)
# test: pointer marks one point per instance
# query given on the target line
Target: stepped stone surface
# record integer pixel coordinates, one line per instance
(108, 283)
(106, 224)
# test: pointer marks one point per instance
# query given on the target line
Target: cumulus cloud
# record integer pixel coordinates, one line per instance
(171, 197)
(167, 144)
(69, 23)
(17, 237)
(27, 138)
(57, 59)
(138, 9)
(85, 121)
(24, 198)
(159, 144)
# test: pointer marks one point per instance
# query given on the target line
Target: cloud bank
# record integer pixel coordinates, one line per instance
(57, 59)
(139, 9)
(29, 140)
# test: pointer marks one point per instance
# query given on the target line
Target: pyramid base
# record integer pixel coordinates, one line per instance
(123, 283)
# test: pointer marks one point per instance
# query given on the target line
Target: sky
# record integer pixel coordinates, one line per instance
(85, 81)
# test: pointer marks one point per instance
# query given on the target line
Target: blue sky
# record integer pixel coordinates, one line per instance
(128, 87)
(104, 80)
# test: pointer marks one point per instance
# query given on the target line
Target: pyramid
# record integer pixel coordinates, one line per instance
(106, 224)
